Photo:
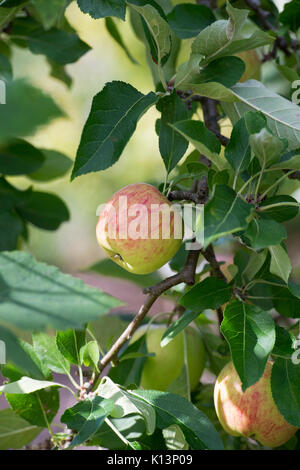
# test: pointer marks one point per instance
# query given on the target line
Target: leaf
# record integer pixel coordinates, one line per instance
(60, 46)
(188, 20)
(11, 227)
(280, 262)
(44, 210)
(256, 261)
(175, 328)
(38, 408)
(180, 386)
(290, 164)
(283, 343)
(131, 363)
(290, 16)
(112, 121)
(209, 82)
(46, 348)
(225, 213)
(223, 38)
(282, 115)
(237, 151)
(27, 385)
(86, 418)
(102, 8)
(50, 12)
(20, 355)
(12, 3)
(18, 157)
(159, 30)
(173, 409)
(55, 165)
(282, 212)
(7, 14)
(172, 145)
(69, 344)
(285, 384)
(250, 333)
(273, 292)
(115, 34)
(210, 293)
(202, 139)
(29, 293)
(263, 232)
(267, 147)
(174, 438)
(5, 68)
(15, 432)
(14, 116)
(90, 354)
(109, 268)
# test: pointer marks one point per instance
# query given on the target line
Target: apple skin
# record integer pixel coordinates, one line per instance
(162, 369)
(138, 255)
(250, 413)
(253, 65)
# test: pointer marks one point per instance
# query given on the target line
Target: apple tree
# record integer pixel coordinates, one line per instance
(229, 138)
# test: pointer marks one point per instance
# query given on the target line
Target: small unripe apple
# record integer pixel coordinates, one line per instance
(139, 228)
(252, 63)
(161, 370)
(252, 413)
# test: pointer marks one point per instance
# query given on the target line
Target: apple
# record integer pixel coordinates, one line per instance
(252, 413)
(139, 228)
(161, 370)
(253, 65)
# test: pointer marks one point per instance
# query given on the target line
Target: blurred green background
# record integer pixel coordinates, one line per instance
(73, 246)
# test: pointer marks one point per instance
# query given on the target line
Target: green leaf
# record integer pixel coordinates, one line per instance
(283, 343)
(285, 384)
(60, 46)
(14, 116)
(86, 418)
(225, 213)
(55, 165)
(174, 409)
(50, 12)
(44, 210)
(210, 83)
(27, 385)
(12, 3)
(263, 232)
(188, 20)
(291, 164)
(20, 355)
(59, 72)
(7, 14)
(250, 333)
(180, 386)
(18, 157)
(282, 212)
(90, 354)
(175, 328)
(102, 8)
(237, 151)
(69, 344)
(172, 145)
(15, 432)
(290, 16)
(210, 293)
(280, 262)
(202, 139)
(29, 291)
(38, 408)
(11, 227)
(256, 261)
(112, 121)
(282, 115)
(223, 38)
(159, 30)
(267, 147)
(174, 438)
(5, 68)
(109, 268)
(46, 349)
(115, 34)
(131, 362)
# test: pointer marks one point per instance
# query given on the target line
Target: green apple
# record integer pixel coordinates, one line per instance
(161, 370)
(252, 413)
(139, 228)
(253, 65)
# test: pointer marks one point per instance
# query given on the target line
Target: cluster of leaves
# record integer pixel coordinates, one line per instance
(245, 204)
